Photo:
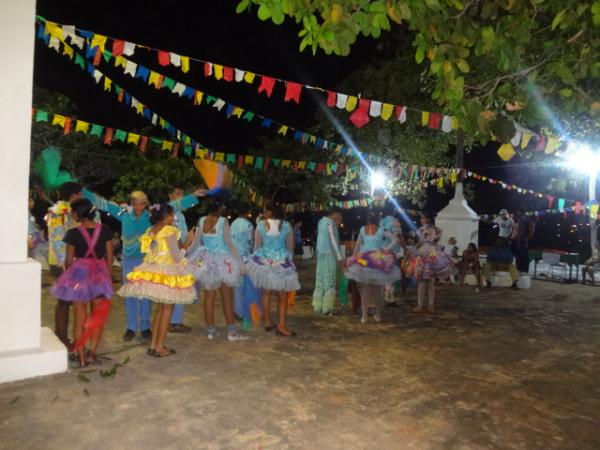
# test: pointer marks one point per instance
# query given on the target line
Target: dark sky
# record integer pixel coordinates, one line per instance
(213, 31)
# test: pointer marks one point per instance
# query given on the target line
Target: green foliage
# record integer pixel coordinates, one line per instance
(531, 61)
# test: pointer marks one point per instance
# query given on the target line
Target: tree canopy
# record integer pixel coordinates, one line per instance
(536, 62)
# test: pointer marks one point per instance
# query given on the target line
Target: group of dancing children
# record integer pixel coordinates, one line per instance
(169, 268)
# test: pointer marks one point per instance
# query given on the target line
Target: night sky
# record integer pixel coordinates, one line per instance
(214, 32)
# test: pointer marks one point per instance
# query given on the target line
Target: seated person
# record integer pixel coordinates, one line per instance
(470, 260)
(590, 265)
(500, 259)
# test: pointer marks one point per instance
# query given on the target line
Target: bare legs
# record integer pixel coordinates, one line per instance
(160, 327)
(367, 292)
(282, 307)
(425, 285)
(61, 321)
(80, 315)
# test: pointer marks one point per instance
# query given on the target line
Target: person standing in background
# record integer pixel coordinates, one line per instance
(328, 257)
(522, 233)
(505, 224)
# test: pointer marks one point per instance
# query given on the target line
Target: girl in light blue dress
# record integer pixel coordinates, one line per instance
(373, 265)
(271, 266)
(217, 267)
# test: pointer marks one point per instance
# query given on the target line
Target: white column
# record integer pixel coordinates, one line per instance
(458, 220)
(26, 349)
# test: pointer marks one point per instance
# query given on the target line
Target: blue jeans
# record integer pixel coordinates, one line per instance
(137, 311)
(177, 316)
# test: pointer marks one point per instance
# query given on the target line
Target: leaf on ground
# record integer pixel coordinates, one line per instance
(14, 400)
(55, 398)
(86, 392)
(126, 360)
(81, 377)
(89, 371)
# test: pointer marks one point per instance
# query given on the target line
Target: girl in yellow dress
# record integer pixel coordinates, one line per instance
(164, 277)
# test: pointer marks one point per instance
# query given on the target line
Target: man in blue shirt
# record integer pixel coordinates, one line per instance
(135, 220)
(500, 259)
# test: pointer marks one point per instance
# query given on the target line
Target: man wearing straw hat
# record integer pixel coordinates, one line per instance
(135, 220)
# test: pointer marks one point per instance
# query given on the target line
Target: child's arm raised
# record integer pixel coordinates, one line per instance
(102, 204)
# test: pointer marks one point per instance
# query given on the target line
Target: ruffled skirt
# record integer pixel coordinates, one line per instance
(213, 269)
(273, 274)
(161, 283)
(430, 263)
(86, 280)
(376, 267)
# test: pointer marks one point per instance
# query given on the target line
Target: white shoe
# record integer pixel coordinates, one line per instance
(237, 337)
(364, 319)
(212, 336)
(377, 319)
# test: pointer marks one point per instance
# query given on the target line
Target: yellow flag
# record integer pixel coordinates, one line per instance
(120, 61)
(68, 50)
(201, 153)
(133, 138)
(506, 152)
(455, 123)
(185, 64)
(301, 165)
(154, 79)
(167, 145)
(198, 98)
(249, 160)
(285, 163)
(424, 118)
(54, 30)
(237, 111)
(82, 126)
(594, 210)
(139, 108)
(249, 77)
(220, 156)
(525, 138)
(107, 84)
(386, 111)
(283, 130)
(552, 145)
(218, 71)
(351, 103)
(59, 120)
(99, 41)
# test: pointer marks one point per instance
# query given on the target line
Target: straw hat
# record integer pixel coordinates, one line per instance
(139, 195)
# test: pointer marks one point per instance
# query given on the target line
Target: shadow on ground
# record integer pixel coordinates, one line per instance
(497, 369)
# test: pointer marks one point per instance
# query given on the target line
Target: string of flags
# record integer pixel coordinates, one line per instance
(361, 109)
(161, 81)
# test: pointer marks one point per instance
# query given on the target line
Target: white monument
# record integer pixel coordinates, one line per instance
(458, 220)
(26, 349)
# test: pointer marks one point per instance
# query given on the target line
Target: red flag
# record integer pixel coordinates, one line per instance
(320, 167)
(292, 92)
(550, 201)
(97, 57)
(360, 116)
(164, 59)
(67, 125)
(341, 169)
(331, 99)
(227, 73)
(108, 136)
(175, 151)
(267, 84)
(207, 69)
(117, 47)
(240, 162)
(120, 96)
(435, 119)
(143, 144)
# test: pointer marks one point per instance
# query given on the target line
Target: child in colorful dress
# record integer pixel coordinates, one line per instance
(271, 266)
(429, 263)
(86, 279)
(373, 265)
(164, 277)
(217, 267)
(247, 296)
(328, 257)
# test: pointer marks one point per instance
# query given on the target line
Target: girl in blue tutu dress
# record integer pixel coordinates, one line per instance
(429, 263)
(87, 278)
(217, 267)
(373, 265)
(271, 266)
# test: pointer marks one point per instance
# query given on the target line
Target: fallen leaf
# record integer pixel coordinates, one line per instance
(14, 400)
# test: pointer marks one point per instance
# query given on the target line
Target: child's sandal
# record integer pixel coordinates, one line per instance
(160, 354)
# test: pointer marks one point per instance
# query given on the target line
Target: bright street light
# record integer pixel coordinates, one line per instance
(378, 181)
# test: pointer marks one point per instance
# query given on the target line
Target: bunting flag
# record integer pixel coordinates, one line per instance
(228, 74)
(216, 176)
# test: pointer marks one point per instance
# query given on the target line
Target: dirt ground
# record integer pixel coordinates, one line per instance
(499, 369)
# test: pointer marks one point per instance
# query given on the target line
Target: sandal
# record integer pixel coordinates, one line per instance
(92, 358)
(278, 332)
(160, 354)
(270, 328)
(151, 352)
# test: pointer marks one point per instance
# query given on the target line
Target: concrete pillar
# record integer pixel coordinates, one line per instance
(26, 349)
(458, 220)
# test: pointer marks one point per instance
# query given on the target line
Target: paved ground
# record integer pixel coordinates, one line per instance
(499, 369)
